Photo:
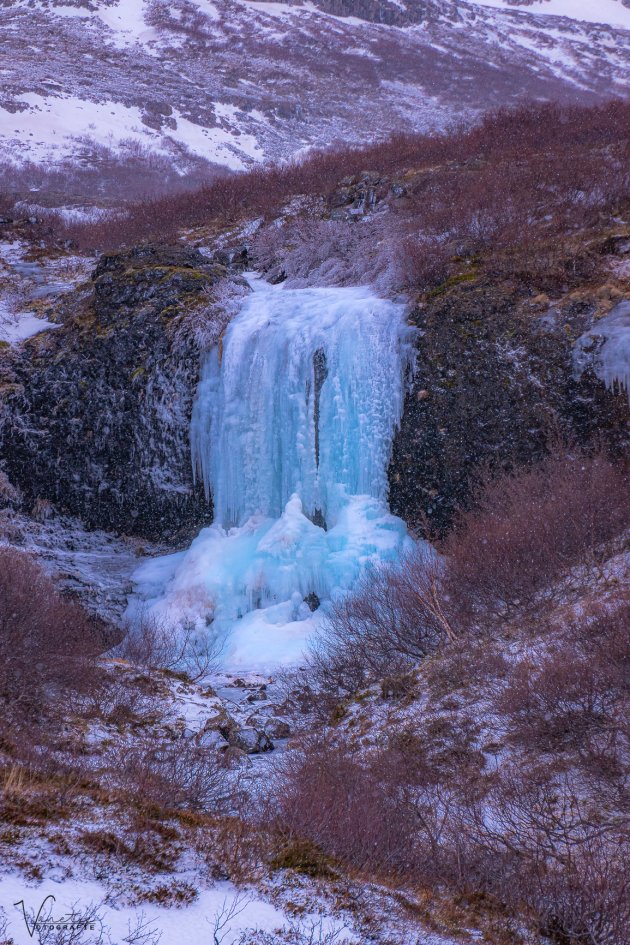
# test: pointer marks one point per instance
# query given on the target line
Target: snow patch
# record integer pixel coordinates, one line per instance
(191, 923)
(218, 145)
(125, 21)
(15, 328)
(51, 126)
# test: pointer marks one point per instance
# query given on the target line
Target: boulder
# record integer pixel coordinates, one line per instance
(250, 740)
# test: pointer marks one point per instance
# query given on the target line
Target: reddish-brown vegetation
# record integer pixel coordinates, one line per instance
(395, 617)
(169, 775)
(149, 644)
(48, 645)
(423, 262)
(534, 536)
(572, 695)
(543, 832)
(528, 529)
(520, 176)
(507, 782)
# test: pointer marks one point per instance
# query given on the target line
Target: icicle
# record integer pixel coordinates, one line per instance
(305, 399)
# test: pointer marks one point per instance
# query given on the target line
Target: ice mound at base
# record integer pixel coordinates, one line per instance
(292, 433)
(252, 581)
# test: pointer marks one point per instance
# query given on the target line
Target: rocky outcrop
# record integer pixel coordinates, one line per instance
(94, 416)
(96, 412)
(494, 383)
(388, 13)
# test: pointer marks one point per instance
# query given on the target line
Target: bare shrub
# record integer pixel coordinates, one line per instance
(396, 615)
(391, 813)
(235, 843)
(528, 529)
(151, 644)
(301, 247)
(533, 812)
(547, 847)
(174, 775)
(422, 263)
(269, 246)
(528, 837)
(142, 931)
(573, 696)
(587, 899)
(333, 797)
(4, 936)
(205, 324)
(48, 645)
(560, 699)
(221, 927)
(119, 703)
(312, 251)
(313, 932)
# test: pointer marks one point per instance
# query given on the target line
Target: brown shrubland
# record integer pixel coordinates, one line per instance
(543, 833)
(48, 644)
(533, 536)
(395, 617)
(537, 822)
(149, 644)
(520, 178)
(169, 775)
(528, 529)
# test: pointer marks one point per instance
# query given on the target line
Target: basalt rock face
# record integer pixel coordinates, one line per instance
(377, 11)
(95, 414)
(494, 385)
(97, 411)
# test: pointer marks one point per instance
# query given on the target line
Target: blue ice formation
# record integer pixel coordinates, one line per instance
(291, 433)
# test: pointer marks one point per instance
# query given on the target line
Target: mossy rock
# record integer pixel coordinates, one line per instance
(304, 857)
(451, 283)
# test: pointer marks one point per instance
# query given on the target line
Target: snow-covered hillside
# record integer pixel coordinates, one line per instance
(603, 12)
(229, 83)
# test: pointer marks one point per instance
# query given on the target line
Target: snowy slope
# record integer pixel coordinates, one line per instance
(27, 286)
(607, 12)
(207, 83)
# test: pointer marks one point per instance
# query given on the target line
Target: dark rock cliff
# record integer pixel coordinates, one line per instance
(96, 412)
(494, 384)
(94, 416)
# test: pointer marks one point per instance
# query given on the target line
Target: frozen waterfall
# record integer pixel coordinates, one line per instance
(291, 434)
(606, 348)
